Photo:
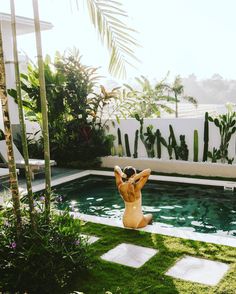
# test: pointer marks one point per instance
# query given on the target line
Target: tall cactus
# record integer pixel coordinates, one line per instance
(168, 145)
(135, 155)
(206, 137)
(227, 127)
(195, 146)
(127, 145)
(158, 136)
(183, 148)
(120, 148)
(173, 142)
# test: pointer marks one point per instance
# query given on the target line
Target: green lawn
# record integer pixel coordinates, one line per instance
(150, 278)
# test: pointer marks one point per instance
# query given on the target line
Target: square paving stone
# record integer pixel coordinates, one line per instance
(198, 270)
(129, 255)
(89, 239)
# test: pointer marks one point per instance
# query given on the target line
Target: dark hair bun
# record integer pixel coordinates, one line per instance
(129, 171)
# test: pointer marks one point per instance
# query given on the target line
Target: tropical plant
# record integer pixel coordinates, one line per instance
(214, 155)
(158, 136)
(206, 137)
(226, 123)
(182, 149)
(127, 148)
(148, 142)
(173, 142)
(177, 89)
(195, 146)
(74, 108)
(44, 261)
(168, 145)
(135, 155)
(106, 16)
(2, 136)
(120, 147)
(149, 101)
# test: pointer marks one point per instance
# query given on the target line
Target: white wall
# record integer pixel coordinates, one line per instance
(10, 73)
(181, 126)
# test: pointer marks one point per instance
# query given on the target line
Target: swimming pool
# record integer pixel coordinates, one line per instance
(192, 207)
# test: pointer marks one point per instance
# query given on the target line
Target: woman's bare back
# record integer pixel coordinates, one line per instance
(128, 191)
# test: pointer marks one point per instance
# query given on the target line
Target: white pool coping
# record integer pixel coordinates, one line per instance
(157, 228)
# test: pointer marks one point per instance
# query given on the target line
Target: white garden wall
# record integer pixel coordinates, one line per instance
(181, 126)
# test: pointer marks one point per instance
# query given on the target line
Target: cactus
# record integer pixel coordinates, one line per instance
(135, 155)
(127, 145)
(150, 137)
(120, 148)
(168, 146)
(119, 136)
(113, 151)
(214, 155)
(195, 146)
(183, 148)
(158, 136)
(206, 137)
(227, 127)
(149, 141)
(173, 141)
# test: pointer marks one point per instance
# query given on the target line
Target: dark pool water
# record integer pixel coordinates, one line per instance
(198, 208)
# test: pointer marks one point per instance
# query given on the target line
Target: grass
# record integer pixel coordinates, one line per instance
(150, 278)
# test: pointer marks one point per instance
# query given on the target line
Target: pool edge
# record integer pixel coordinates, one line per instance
(156, 228)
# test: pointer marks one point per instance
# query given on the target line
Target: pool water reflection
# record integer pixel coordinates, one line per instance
(194, 207)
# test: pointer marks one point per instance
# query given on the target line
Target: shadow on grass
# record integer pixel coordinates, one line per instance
(108, 276)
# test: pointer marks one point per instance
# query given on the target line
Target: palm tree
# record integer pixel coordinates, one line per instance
(9, 142)
(178, 90)
(21, 116)
(149, 101)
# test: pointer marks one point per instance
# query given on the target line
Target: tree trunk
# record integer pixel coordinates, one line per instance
(9, 142)
(176, 105)
(21, 117)
(43, 109)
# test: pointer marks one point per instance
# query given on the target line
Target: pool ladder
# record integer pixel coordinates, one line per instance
(229, 187)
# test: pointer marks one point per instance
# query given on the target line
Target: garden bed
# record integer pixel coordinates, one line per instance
(173, 166)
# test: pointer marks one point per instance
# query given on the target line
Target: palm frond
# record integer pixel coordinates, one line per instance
(191, 100)
(106, 17)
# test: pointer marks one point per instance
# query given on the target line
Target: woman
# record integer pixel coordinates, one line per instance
(129, 184)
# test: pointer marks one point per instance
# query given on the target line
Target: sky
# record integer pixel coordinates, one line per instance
(180, 36)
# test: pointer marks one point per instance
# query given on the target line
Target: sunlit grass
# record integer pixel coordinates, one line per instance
(151, 278)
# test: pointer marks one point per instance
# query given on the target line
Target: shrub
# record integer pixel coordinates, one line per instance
(44, 261)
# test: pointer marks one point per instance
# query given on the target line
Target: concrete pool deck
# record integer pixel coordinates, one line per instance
(66, 175)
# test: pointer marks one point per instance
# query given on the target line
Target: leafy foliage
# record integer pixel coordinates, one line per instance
(226, 123)
(75, 109)
(2, 136)
(43, 261)
(106, 17)
(149, 100)
(177, 90)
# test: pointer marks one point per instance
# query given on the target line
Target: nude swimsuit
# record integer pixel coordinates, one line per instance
(133, 214)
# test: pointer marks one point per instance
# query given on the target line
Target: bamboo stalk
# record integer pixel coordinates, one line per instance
(43, 109)
(9, 142)
(21, 117)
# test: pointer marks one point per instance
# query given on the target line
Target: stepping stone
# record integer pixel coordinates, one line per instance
(198, 270)
(89, 239)
(129, 255)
